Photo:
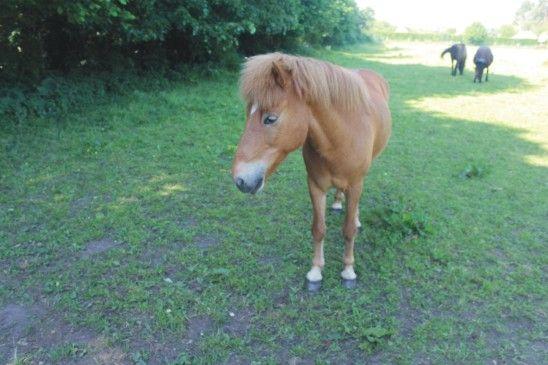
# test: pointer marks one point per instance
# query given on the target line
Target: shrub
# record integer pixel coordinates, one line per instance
(41, 35)
(506, 31)
(476, 34)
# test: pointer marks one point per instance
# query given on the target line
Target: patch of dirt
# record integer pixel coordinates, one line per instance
(516, 329)
(164, 348)
(188, 222)
(281, 299)
(155, 256)
(206, 241)
(408, 317)
(240, 323)
(161, 348)
(100, 353)
(269, 260)
(97, 247)
(350, 353)
(78, 205)
(16, 320)
(298, 361)
(235, 359)
(25, 330)
(158, 257)
(197, 327)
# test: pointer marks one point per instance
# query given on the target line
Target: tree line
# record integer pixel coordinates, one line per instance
(37, 36)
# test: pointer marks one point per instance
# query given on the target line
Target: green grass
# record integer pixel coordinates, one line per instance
(123, 223)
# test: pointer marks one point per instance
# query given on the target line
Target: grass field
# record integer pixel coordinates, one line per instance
(123, 239)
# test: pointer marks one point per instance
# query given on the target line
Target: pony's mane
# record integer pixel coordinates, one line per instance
(316, 81)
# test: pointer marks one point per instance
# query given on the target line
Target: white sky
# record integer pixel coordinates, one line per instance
(442, 14)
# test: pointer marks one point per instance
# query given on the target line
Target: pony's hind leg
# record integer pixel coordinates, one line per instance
(338, 203)
(318, 197)
(487, 74)
(349, 231)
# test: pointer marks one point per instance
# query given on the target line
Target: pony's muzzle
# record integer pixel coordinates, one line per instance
(249, 176)
(249, 186)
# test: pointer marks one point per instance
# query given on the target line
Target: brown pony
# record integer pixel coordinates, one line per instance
(339, 117)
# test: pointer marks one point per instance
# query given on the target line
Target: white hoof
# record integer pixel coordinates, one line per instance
(315, 274)
(337, 206)
(348, 273)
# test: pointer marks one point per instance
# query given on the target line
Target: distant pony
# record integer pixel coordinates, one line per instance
(482, 60)
(458, 53)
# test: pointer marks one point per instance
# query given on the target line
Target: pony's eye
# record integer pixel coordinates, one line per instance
(269, 119)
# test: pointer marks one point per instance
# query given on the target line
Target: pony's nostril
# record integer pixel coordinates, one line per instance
(239, 182)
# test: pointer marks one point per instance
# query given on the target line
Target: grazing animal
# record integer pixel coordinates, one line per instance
(339, 117)
(458, 54)
(482, 59)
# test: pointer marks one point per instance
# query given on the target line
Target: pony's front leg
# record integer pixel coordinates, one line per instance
(318, 197)
(349, 231)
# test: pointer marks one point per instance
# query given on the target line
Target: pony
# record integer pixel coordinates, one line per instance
(339, 117)
(482, 59)
(458, 54)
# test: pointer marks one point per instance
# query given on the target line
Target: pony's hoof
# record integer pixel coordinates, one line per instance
(336, 210)
(349, 283)
(313, 286)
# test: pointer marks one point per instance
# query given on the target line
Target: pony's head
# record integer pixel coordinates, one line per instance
(276, 120)
(280, 92)
(481, 64)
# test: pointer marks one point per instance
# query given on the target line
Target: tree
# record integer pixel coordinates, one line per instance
(41, 35)
(506, 31)
(382, 28)
(533, 16)
(476, 33)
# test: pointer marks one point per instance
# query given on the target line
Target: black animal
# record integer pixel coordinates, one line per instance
(482, 59)
(458, 53)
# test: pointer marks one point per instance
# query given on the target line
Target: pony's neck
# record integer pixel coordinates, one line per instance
(327, 129)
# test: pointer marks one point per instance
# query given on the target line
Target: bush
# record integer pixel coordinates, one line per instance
(41, 35)
(506, 31)
(476, 34)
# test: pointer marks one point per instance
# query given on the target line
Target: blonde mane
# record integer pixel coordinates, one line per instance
(316, 81)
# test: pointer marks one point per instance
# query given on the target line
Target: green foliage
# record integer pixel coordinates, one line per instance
(382, 28)
(400, 219)
(54, 96)
(64, 35)
(506, 31)
(476, 34)
(334, 22)
(472, 171)
(533, 15)
(436, 37)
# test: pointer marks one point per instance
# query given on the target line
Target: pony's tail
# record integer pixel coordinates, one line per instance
(444, 52)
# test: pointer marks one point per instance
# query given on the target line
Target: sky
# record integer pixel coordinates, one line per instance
(442, 14)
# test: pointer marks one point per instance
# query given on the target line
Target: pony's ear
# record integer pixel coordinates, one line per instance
(281, 75)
